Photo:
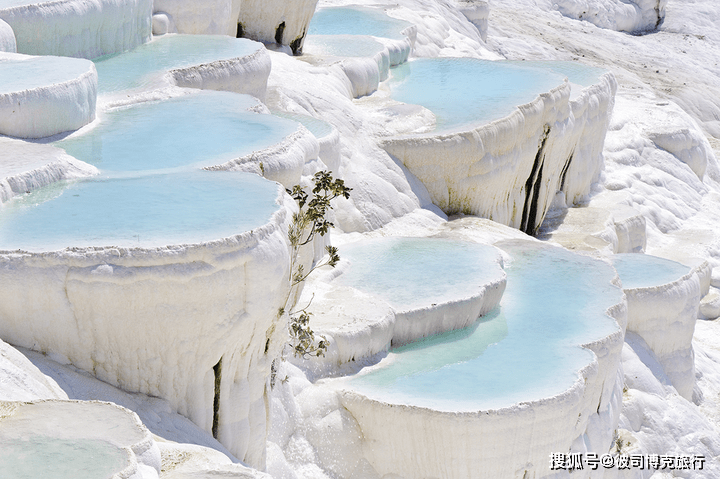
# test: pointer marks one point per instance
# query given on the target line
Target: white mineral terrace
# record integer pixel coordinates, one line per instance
(227, 228)
(69, 439)
(507, 169)
(45, 95)
(664, 296)
(195, 61)
(145, 257)
(399, 290)
(77, 28)
(365, 40)
(542, 369)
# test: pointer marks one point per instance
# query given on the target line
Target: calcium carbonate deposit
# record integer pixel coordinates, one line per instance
(527, 281)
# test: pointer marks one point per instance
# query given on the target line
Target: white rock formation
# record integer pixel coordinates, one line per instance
(510, 170)
(620, 15)
(59, 95)
(7, 38)
(283, 162)
(664, 317)
(196, 325)
(274, 21)
(79, 28)
(20, 380)
(25, 167)
(248, 74)
(477, 11)
(513, 441)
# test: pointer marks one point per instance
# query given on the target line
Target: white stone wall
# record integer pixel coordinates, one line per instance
(159, 320)
(552, 143)
(80, 28)
(620, 15)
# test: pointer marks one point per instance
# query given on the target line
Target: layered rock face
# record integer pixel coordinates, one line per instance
(275, 21)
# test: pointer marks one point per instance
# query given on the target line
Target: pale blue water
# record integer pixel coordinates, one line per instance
(319, 128)
(527, 349)
(149, 210)
(342, 45)
(145, 63)
(411, 273)
(205, 128)
(41, 457)
(576, 72)
(356, 21)
(643, 270)
(464, 91)
(19, 75)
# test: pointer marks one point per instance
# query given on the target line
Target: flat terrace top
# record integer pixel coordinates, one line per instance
(356, 21)
(201, 129)
(145, 64)
(412, 273)
(527, 349)
(467, 91)
(138, 211)
(25, 72)
(342, 45)
(644, 271)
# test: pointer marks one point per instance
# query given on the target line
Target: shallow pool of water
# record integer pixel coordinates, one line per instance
(146, 211)
(527, 349)
(342, 45)
(643, 270)
(200, 129)
(576, 72)
(356, 21)
(145, 64)
(41, 457)
(467, 91)
(34, 72)
(411, 273)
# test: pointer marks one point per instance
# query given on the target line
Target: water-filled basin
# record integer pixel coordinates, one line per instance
(201, 129)
(527, 349)
(356, 21)
(644, 271)
(20, 72)
(147, 211)
(466, 91)
(411, 273)
(38, 456)
(342, 45)
(147, 63)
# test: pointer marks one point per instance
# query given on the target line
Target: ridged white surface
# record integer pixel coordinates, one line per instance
(620, 15)
(48, 108)
(7, 38)
(484, 171)
(283, 162)
(158, 320)
(25, 167)
(248, 74)
(664, 316)
(511, 442)
(79, 28)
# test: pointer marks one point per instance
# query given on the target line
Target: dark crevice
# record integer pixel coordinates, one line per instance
(240, 31)
(296, 45)
(532, 187)
(563, 174)
(217, 370)
(532, 223)
(279, 33)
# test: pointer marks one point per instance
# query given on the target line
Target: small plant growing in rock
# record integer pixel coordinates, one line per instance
(309, 221)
